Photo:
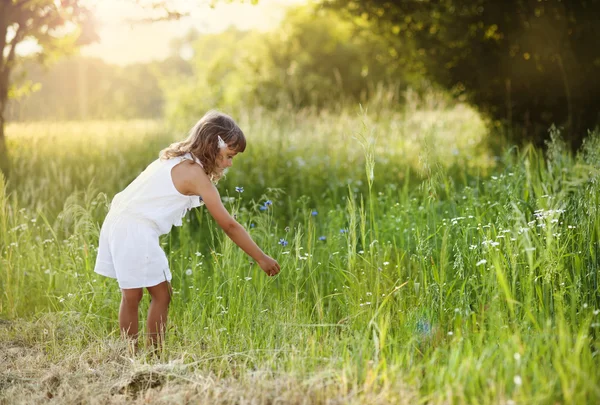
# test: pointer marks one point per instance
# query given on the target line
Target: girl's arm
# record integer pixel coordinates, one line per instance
(197, 182)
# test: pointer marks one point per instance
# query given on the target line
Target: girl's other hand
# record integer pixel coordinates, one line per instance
(269, 266)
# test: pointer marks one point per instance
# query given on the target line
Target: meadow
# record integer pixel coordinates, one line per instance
(419, 265)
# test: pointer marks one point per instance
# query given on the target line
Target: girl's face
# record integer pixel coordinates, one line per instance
(225, 158)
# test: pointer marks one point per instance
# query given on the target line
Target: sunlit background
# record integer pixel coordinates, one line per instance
(125, 38)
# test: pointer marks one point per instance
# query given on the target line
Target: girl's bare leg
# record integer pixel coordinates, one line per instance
(128, 313)
(157, 313)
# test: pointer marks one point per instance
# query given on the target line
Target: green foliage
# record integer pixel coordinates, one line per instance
(216, 78)
(313, 59)
(529, 63)
(468, 283)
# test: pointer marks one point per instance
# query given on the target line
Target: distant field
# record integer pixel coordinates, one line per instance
(417, 267)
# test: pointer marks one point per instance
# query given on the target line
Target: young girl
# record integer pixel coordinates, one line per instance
(183, 177)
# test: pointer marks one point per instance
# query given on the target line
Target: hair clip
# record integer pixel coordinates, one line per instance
(222, 143)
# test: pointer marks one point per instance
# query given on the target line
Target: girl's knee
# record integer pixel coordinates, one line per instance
(161, 293)
(132, 296)
(161, 298)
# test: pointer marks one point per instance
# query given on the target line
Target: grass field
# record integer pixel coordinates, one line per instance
(417, 267)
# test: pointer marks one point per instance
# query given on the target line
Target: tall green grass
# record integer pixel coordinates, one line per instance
(411, 254)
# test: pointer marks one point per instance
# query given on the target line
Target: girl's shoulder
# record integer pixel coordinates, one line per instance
(185, 174)
(187, 158)
(191, 157)
(187, 167)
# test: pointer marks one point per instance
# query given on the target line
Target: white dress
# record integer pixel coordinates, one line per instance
(148, 207)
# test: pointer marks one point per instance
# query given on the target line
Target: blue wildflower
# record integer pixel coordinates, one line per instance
(322, 238)
(283, 242)
(268, 202)
(239, 189)
(343, 230)
(252, 225)
(423, 327)
(262, 208)
(314, 213)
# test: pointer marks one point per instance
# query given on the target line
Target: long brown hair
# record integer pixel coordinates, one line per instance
(203, 141)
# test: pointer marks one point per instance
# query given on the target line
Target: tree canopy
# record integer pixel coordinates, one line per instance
(531, 63)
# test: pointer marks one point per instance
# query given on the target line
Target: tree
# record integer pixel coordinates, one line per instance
(317, 58)
(314, 58)
(55, 27)
(529, 63)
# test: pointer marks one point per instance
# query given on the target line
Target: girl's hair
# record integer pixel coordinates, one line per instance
(203, 141)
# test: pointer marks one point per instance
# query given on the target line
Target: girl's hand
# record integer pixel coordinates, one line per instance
(199, 184)
(269, 265)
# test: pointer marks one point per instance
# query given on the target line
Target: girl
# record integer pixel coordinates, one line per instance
(183, 177)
